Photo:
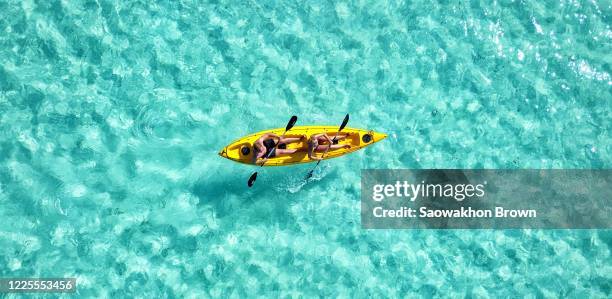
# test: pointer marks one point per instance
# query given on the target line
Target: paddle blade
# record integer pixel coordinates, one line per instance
(309, 175)
(252, 179)
(344, 122)
(291, 123)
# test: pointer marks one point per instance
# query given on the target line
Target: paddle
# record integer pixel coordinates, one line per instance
(344, 122)
(287, 128)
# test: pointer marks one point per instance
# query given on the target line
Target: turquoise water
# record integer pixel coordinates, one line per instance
(112, 114)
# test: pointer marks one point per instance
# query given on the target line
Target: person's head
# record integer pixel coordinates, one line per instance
(313, 139)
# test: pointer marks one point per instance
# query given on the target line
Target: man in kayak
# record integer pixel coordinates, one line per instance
(316, 144)
(264, 145)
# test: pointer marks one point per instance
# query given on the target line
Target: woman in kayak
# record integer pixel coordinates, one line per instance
(316, 143)
(264, 146)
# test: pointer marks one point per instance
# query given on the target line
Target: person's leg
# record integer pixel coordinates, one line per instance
(323, 140)
(289, 140)
(340, 137)
(322, 148)
(285, 151)
(257, 155)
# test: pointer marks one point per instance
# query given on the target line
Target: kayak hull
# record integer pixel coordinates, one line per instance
(241, 150)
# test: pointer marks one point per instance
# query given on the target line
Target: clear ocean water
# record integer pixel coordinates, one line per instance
(112, 114)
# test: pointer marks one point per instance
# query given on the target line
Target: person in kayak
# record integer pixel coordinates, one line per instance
(264, 145)
(316, 144)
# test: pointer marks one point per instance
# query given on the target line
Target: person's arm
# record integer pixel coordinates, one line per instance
(312, 156)
(328, 139)
(257, 152)
(311, 153)
(259, 144)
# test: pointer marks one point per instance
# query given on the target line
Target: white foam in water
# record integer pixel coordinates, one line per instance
(537, 26)
(295, 183)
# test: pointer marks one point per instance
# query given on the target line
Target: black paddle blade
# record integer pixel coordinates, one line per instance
(252, 179)
(309, 175)
(344, 122)
(291, 123)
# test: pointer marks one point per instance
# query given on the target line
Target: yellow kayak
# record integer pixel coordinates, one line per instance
(241, 150)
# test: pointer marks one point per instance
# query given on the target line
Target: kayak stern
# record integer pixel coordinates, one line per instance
(376, 136)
